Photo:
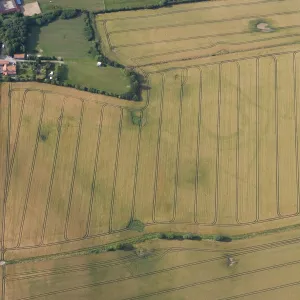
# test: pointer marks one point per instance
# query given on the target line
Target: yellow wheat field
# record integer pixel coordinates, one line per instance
(217, 149)
(151, 39)
(213, 147)
(168, 270)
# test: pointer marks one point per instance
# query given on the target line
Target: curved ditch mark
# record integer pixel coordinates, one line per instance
(205, 56)
(158, 151)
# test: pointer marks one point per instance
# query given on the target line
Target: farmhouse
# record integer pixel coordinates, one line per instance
(7, 69)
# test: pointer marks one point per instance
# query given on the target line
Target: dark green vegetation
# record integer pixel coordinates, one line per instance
(108, 5)
(136, 225)
(13, 32)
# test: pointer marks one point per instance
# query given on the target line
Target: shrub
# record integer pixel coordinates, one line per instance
(124, 246)
(136, 225)
(111, 248)
(190, 236)
(222, 238)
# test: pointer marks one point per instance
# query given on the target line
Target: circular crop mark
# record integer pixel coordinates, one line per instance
(234, 124)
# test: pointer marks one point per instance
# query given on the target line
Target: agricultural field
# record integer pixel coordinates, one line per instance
(219, 30)
(65, 38)
(167, 270)
(213, 148)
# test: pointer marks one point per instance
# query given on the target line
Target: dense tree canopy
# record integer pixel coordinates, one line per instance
(13, 32)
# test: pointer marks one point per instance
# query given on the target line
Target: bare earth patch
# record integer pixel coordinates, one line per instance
(264, 27)
(31, 9)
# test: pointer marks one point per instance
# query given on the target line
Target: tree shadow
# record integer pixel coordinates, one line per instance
(33, 40)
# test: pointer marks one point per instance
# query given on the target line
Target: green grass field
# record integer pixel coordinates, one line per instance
(65, 38)
(93, 5)
(118, 4)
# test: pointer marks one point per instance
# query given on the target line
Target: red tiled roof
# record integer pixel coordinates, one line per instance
(20, 56)
(4, 62)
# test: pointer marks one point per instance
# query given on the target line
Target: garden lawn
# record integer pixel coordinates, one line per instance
(65, 38)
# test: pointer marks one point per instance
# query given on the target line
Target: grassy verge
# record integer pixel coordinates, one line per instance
(122, 245)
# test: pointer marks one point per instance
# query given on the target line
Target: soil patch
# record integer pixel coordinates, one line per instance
(31, 9)
(264, 27)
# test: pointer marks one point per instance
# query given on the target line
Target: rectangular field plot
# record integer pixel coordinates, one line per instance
(23, 157)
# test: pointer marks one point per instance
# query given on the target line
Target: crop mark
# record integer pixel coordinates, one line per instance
(187, 10)
(115, 173)
(242, 251)
(158, 148)
(215, 280)
(218, 144)
(274, 288)
(206, 22)
(296, 129)
(257, 220)
(16, 141)
(31, 171)
(198, 147)
(237, 145)
(6, 170)
(59, 126)
(94, 174)
(74, 171)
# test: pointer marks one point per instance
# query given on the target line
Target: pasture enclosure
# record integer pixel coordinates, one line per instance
(168, 270)
(66, 39)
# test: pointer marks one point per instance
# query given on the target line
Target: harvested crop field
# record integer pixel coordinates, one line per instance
(212, 148)
(150, 39)
(263, 268)
(217, 147)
